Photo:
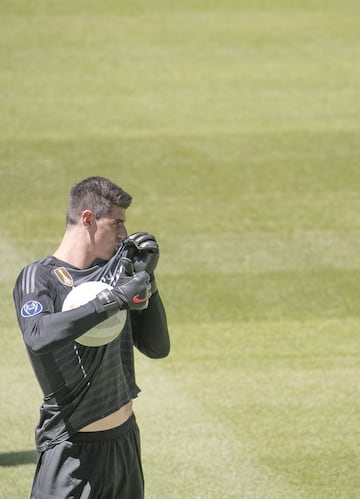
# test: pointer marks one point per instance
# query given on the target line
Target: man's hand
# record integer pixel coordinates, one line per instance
(143, 250)
(131, 293)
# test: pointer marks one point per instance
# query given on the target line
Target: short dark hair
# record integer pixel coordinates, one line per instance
(97, 194)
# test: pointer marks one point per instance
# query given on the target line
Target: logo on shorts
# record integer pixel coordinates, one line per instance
(64, 276)
(31, 308)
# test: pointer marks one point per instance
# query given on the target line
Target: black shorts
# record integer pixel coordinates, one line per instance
(102, 465)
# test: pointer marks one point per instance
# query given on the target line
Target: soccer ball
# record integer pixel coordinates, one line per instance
(106, 331)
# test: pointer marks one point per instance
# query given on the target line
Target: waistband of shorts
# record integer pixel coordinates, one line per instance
(104, 435)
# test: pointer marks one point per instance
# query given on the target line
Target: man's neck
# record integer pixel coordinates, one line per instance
(74, 249)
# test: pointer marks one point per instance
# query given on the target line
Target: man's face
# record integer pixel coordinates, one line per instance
(110, 231)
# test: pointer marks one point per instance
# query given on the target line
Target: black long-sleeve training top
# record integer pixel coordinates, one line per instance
(80, 384)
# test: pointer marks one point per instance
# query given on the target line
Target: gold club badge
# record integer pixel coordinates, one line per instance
(64, 276)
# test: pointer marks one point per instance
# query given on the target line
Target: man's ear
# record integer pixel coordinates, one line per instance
(87, 217)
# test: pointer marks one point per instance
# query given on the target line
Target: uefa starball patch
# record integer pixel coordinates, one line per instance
(31, 308)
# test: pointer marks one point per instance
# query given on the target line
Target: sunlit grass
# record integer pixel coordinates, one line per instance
(235, 127)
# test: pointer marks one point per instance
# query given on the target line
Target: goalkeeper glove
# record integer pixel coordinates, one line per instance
(143, 250)
(130, 293)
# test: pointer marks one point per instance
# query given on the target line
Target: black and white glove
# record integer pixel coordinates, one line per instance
(143, 250)
(130, 293)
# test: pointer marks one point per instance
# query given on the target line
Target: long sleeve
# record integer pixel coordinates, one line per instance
(150, 330)
(49, 331)
(43, 326)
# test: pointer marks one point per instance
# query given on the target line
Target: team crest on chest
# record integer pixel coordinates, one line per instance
(64, 276)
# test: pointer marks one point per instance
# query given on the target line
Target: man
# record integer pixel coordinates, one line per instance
(87, 437)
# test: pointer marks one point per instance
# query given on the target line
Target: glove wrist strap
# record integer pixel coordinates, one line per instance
(107, 300)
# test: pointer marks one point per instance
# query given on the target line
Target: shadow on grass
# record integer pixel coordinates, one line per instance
(17, 458)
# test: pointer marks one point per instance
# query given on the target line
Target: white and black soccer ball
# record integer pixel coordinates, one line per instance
(106, 331)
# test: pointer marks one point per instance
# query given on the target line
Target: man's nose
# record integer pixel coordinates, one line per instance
(123, 233)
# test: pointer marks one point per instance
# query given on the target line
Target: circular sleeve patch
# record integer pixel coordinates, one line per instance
(31, 308)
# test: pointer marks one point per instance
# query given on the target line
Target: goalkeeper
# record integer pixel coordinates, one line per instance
(87, 437)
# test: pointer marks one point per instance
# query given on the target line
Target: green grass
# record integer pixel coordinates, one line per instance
(235, 126)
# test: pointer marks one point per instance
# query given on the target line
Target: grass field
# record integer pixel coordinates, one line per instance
(235, 125)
